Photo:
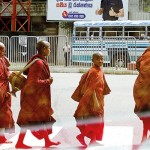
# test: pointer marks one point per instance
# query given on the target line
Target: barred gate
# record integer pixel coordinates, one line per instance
(23, 47)
(120, 53)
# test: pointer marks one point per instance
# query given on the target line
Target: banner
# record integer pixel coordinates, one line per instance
(73, 10)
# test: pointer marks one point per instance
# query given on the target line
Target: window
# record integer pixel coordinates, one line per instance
(81, 31)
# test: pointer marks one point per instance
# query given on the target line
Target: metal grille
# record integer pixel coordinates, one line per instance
(120, 53)
(22, 48)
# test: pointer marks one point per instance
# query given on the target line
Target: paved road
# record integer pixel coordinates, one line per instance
(122, 126)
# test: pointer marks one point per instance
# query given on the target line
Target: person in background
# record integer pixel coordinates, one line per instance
(35, 103)
(111, 9)
(66, 50)
(6, 115)
(141, 92)
(90, 95)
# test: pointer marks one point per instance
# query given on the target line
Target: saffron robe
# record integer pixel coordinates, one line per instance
(6, 116)
(35, 100)
(141, 89)
(90, 111)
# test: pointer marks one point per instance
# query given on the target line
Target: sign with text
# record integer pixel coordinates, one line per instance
(73, 10)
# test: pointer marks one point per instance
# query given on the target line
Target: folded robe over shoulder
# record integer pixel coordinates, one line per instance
(90, 82)
(90, 110)
(141, 90)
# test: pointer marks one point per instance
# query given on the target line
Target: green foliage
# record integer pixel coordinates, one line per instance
(146, 5)
(147, 9)
(66, 25)
(147, 1)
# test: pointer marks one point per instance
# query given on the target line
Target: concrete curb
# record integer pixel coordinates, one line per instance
(61, 69)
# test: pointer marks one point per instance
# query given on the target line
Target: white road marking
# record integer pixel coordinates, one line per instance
(114, 136)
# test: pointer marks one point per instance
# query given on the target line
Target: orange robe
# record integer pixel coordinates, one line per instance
(6, 117)
(90, 111)
(141, 90)
(35, 100)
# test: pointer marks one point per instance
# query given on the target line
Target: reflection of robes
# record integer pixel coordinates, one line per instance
(141, 90)
(36, 95)
(90, 111)
(6, 118)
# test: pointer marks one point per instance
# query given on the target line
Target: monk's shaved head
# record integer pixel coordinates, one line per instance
(96, 55)
(2, 45)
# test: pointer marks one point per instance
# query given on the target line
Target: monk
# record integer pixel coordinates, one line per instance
(6, 116)
(141, 91)
(35, 103)
(90, 95)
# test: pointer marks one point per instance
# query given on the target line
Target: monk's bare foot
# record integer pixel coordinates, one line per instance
(50, 143)
(22, 146)
(4, 140)
(80, 138)
(95, 143)
(37, 134)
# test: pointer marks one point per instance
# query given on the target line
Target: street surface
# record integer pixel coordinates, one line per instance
(122, 127)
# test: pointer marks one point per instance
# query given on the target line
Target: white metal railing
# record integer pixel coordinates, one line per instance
(120, 53)
(23, 47)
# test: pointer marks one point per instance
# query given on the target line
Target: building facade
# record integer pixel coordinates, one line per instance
(138, 10)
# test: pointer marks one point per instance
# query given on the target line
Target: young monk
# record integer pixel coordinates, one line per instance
(90, 95)
(36, 111)
(6, 116)
(141, 92)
